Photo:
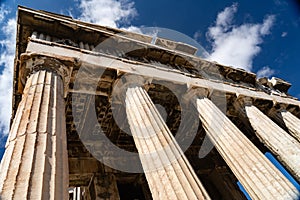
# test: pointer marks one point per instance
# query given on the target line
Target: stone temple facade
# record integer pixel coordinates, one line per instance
(101, 113)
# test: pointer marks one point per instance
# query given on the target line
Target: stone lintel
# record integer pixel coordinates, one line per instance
(138, 68)
(169, 44)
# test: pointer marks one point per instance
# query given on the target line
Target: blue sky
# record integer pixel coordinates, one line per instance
(263, 39)
(259, 36)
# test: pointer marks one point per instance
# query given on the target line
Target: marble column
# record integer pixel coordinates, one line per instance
(290, 121)
(280, 143)
(35, 162)
(260, 178)
(167, 170)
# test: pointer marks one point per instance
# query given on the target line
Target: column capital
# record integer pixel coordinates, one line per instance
(244, 100)
(193, 93)
(241, 102)
(33, 62)
(277, 109)
(128, 81)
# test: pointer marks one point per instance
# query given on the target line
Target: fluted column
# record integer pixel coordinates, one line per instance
(280, 143)
(290, 121)
(260, 178)
(35, 163)
(167, 170)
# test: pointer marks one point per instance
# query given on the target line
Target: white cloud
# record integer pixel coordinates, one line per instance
(225, 17)
(197, 35)
(3, 12)
(265, 72)
(236, 45)
(133, 29)
(111, 13)
(6, 76)
(280, 3)
(284, 34)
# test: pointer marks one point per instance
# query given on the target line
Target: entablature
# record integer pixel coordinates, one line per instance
(93, 61)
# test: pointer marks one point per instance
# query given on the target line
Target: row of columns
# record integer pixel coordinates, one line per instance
(290, 121)
(260, 178)
(170, 177)
(280, 143)
(35, 163)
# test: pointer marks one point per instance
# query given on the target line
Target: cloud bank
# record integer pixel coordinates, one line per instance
(236, 45)
(7, 46)
(265, 72)
(3, 12)
(111, 13)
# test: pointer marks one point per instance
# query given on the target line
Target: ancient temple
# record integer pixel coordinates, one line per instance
(102, 113)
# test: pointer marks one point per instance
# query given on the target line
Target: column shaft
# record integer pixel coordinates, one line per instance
(290, 121)
(167, 170)
(280, 143)
(35, 163)
(260, 178)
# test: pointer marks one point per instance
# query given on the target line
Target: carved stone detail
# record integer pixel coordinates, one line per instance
(35, 62)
